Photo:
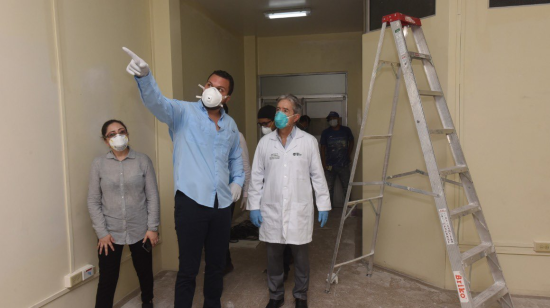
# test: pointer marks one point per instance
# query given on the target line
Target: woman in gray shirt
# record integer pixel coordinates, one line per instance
(123, 202)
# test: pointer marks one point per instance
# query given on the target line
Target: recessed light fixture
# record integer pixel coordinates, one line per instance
(288, 14)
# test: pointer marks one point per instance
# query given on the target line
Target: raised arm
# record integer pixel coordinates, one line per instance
(165, 109)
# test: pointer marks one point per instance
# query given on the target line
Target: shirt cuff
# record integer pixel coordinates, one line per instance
(101, 234)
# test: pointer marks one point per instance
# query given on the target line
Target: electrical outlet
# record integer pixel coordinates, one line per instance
(542, 246)
(73, 279)
(79, 275)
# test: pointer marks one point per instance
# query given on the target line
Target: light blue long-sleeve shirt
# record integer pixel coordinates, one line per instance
(206, 160)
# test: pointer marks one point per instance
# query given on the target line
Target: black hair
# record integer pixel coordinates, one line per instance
(305, 118)
(267, 112)
(226, 108)
(106, 125)
(225, 75)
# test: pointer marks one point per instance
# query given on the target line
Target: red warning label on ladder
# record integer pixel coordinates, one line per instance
(460, 287)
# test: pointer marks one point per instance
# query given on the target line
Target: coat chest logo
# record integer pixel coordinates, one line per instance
(274, 156)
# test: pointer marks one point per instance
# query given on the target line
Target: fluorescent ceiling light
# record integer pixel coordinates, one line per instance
(288, 14)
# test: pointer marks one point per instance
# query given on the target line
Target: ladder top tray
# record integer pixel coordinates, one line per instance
(405, 20)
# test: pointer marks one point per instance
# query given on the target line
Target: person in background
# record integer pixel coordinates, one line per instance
(123, 202)
(246, 166)
(304, 122)
(266, 114)
(266, 117)
(286, 169)
(208, 177)
(336, 149)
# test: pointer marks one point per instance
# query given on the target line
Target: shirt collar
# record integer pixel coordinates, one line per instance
(291, 135)
(131, 154)
(203, 109)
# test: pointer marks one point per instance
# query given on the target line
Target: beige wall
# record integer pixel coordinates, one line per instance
(313, 54)
(65, 77)
(492, 69)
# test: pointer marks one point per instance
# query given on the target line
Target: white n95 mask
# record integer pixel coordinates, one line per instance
(211, 97)
(119, 142)
(266, 130)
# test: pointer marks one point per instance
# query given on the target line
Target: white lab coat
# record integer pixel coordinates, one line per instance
(281, 187)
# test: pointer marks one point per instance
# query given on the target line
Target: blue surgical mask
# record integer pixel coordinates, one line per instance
(281, 119)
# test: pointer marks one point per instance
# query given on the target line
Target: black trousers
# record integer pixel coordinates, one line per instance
(199, 226)
(228, 259)
(109, 268)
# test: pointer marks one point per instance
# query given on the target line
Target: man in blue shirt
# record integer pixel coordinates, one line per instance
(208, 177)
(336, 148)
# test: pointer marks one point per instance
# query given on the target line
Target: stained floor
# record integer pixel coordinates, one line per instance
(246, 286)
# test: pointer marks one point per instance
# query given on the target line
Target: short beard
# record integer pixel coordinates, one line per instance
(213, 108)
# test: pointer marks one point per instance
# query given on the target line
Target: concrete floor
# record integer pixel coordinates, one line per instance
(246, 286)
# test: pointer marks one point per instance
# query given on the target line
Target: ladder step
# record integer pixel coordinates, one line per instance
(493, 293)
(430, 93)
(376, 137)
(465, 210)
(419, 56)
(363, 200)
(442, 131)
(477, 253)
(452, 170)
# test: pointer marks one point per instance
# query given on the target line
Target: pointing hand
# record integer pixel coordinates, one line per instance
(137, 66)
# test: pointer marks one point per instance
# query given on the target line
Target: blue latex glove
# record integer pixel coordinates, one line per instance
(256, 217)
(323, 217)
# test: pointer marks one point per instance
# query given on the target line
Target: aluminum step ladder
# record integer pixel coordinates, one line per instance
(498, 292)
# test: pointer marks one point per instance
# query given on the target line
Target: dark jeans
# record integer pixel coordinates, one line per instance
(199, 226)
(228, 259)
(341, 172)
(109, 267)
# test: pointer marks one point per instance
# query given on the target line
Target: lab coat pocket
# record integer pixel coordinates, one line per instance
(271, 228)
(300, 215)
(303, 183)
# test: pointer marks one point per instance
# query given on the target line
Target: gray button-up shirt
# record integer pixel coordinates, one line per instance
(123, 198)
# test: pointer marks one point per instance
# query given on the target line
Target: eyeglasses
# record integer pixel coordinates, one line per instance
(113, 134)
(264, 124)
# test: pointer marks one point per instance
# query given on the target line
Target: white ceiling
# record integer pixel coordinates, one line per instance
(246, 17)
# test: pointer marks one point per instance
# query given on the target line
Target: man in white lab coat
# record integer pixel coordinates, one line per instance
(287, 166)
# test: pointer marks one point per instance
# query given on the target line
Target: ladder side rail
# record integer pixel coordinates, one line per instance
(431, 164)
(482, 228)
(370, 260)
(356, 155)
(440, 102)
(460, 159)
(431, 75)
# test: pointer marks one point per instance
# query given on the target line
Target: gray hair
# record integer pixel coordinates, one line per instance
(296, 102)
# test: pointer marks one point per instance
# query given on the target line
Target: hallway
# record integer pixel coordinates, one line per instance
(246, 286)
